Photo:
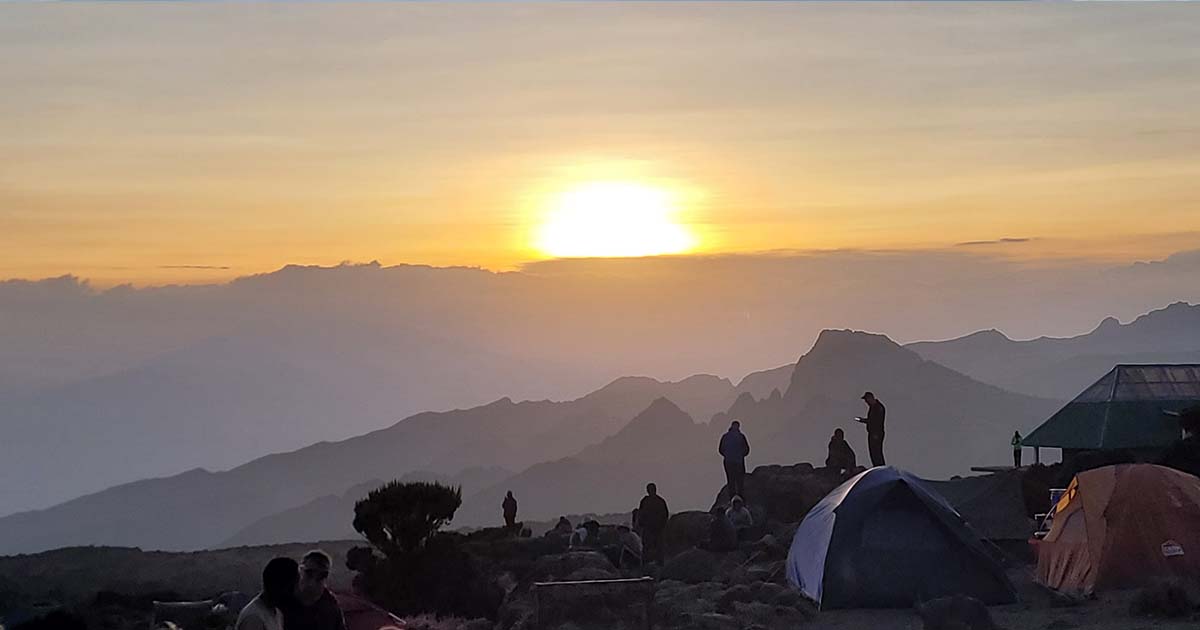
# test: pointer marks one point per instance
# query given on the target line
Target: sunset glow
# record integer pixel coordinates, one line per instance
(613, 219)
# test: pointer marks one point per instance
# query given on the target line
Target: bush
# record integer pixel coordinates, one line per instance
(422, 571)
(399, 518)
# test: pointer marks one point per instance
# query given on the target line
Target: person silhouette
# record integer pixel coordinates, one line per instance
(876, 413)
(841, 457)
(652, 519)
(510, 510)
(734, 448)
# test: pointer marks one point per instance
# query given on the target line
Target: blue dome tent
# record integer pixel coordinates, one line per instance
(883, 539)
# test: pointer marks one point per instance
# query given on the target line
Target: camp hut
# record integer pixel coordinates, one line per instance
(1124, 410)
(883, 539)
(1121, 526)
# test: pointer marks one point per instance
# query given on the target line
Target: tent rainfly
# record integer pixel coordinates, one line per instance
(1123, 526)
(883, 539)
(1123, 410)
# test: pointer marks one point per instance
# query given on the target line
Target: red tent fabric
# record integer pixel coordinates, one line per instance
(361, 614)
(1121, 526)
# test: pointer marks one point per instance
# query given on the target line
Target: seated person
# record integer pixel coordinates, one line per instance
(562, 527)
(586, 535)
(722, 536)
(739, 516)
(630, 554)
(841, 456)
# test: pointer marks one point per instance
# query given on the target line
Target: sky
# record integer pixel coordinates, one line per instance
(162, 143)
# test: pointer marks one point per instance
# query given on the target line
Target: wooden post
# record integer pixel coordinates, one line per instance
(1037, 454)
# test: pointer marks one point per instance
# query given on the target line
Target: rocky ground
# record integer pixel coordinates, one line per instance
(744, 589)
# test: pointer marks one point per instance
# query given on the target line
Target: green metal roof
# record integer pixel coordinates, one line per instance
(1124, 409)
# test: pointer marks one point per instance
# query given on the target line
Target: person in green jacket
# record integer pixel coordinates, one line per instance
(1016, 444)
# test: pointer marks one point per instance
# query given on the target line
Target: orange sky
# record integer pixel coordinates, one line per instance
(162, 143)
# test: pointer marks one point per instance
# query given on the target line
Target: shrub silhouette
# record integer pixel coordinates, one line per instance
(399, 518)
(423, 570)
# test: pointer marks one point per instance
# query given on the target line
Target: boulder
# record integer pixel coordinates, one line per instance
(784, 493)
(684, 531)
(560, 566)
(771, 616)
(697, 565)
(740, 593)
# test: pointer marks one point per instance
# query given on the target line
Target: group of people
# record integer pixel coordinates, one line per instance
(734, 446)
(642, 540)
(294, 596)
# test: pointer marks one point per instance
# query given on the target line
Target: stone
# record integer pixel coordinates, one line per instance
(685, 530)
(557, 567)
(697, 565)
(783, 493)
(740, 593)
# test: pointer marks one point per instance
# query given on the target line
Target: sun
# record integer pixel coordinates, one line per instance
(613, 219)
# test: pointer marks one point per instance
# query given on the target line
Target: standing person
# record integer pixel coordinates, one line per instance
(734, 448)
(1016, 444)
(265, 612)
(874, 421)
(652, 518)
(510, 510)
(315, 608)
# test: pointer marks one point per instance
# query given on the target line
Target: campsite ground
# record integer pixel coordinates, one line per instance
(1036, 611)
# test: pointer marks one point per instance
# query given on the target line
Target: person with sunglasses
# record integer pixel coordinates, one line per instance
(315, 607)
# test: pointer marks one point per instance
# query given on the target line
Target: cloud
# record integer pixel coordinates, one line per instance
(999, 241)
(194, 267)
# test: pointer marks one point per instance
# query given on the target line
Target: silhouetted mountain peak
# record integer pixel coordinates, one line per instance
(662, 414)
(990, 334)
(1176, 314)
(744, 404)
(856, 356)
(1108, 325)
(838, 344)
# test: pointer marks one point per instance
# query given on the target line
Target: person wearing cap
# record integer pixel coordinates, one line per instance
(314, 607)
(874, 421)
(1184, 454)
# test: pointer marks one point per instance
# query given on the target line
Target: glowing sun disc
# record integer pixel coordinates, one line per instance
(613, 219)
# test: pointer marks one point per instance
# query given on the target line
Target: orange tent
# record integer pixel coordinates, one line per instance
(1121, 526)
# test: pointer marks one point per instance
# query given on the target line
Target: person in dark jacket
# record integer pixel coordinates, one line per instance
(841, 457)
(1184, 454)
(314, 608)
(722, 535)
(874, 421)
(1016, 444)
(734, 448)
(652, 520)
(510, 510)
